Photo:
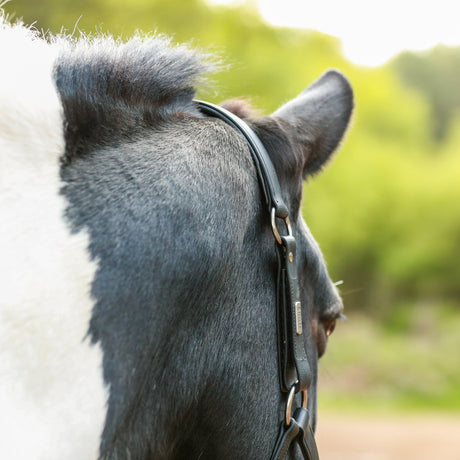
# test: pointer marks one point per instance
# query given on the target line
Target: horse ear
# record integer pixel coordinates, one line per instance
(316, 120)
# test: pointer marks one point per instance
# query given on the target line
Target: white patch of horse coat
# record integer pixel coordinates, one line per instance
(52, 395)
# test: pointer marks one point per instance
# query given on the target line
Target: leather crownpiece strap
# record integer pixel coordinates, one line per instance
(265, 169)
(294, 369)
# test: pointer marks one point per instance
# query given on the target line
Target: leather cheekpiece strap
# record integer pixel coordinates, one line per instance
(306, 438)
(294, 369)
(290, 307)
(299, 431)
(285, 438)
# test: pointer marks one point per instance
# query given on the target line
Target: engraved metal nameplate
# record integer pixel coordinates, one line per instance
(298, 318)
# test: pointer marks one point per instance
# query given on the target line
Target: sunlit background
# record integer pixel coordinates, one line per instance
(386, 212)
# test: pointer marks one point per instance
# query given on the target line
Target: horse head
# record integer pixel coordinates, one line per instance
(154, 308)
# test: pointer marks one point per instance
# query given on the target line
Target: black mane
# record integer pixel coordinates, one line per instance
(108, 87)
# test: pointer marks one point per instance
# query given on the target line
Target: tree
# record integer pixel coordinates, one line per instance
(436, 74)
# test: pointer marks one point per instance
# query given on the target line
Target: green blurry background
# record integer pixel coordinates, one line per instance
(386, 212)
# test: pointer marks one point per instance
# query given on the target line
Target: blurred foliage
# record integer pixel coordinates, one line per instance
(386, 212)
(410, 365)
(435, 73)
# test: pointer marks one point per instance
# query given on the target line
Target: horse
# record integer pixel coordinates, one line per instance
(137, 306)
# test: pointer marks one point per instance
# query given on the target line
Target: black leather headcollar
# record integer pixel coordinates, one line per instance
(294, 369)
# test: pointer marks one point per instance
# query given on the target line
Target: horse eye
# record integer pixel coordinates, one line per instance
(331, 327)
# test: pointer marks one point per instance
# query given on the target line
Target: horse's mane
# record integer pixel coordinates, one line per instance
(108, 87)
(143, 73)
(105, 85)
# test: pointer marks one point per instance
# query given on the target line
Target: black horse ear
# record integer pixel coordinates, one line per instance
(316, 120)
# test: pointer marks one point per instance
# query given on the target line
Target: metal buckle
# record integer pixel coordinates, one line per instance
(291, 400)
(275, 229)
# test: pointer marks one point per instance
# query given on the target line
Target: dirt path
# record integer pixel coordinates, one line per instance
(424, 437)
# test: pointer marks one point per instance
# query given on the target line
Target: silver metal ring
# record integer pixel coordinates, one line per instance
(288, 225)
(304, 398)
(275, 228)
(289, 405)
(291, 400)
